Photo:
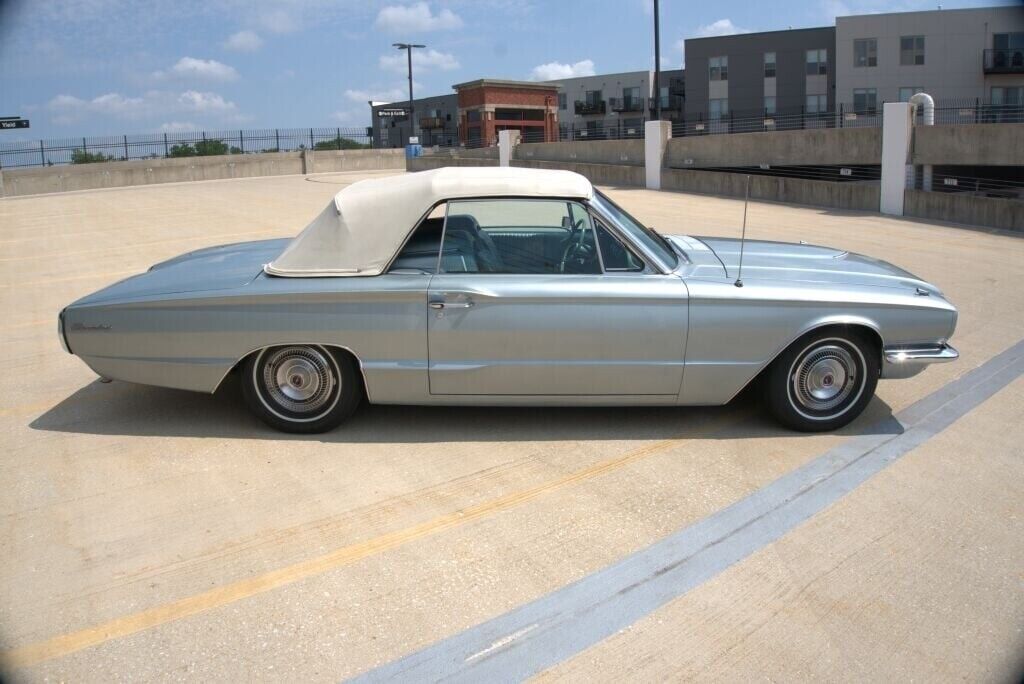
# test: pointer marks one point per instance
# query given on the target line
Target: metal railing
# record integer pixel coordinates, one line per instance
(626, 104)
(1003, 61)
(583, 108)
(182, 144)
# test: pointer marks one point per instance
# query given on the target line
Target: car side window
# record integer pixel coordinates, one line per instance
(615, 255)
(419, 254)
(519, 236)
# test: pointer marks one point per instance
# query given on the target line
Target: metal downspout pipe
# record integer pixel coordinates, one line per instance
(925, 100)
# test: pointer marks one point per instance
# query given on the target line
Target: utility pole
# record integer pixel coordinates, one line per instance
(408, 47)
(657, 64)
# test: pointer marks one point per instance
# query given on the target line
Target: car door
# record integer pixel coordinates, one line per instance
(521, 305)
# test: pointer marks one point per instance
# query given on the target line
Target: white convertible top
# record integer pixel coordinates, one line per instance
(364, 226)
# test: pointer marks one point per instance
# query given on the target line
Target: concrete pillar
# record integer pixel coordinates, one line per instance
(507, 140)
(656, 137)
(896, 128)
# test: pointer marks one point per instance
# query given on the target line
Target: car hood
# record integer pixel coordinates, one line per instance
(765, 260)
(214, 268)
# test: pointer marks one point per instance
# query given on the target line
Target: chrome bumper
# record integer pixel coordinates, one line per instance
(905, 362)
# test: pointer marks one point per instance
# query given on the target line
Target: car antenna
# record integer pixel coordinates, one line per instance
(743, 237)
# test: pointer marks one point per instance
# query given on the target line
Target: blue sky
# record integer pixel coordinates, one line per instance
(97, 67)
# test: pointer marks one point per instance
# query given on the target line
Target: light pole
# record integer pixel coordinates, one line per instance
(408, 47)
(657, 65)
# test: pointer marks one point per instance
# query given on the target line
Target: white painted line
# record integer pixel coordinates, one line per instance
(563, 623)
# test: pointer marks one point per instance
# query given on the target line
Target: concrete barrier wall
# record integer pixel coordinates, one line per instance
(963, 208)
(811, 147)
(628, 152)
(856, 196)
(70, 177)
(426, 163)
(601, 174)
(970, 144)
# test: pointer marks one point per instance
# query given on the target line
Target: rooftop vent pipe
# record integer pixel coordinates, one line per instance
(925, 100)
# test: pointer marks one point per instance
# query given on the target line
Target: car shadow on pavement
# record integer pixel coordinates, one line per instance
(137, 410)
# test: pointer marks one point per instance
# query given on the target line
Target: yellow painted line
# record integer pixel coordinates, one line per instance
(65, 644)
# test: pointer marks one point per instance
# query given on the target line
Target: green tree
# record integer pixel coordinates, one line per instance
(86, 157)
(340, 143)
(182, 150)
(209, 148)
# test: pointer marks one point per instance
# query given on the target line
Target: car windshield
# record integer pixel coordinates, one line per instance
(637, 231)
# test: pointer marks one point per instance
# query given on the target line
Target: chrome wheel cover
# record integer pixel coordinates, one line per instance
(299, 380)
(825, 380)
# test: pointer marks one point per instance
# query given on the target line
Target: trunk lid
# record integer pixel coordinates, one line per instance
(222, 267)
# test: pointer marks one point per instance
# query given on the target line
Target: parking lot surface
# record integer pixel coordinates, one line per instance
(158, 534)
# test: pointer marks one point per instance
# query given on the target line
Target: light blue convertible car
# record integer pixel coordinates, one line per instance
(508, 286)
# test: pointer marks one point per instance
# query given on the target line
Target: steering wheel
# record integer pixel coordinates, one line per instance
(577, 254)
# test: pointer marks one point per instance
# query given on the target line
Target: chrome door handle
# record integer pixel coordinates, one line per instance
(450, 305)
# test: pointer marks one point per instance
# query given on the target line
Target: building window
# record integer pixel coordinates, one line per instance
(911, 50)
(769, 65)
(817, 62)
(769, 105)
(718, 108)
(718, 68)
(1008, 41)
(593, 97)
(816, 104)
(906, 92)
(865, 100)
(865, 52)
(562, 101)
(631, 98)
(663, 97)
(1013, 95)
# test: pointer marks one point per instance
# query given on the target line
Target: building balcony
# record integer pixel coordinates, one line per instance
(669, 103)
(627, 104)
(429, 122)
(589, 108)
(1006, 61)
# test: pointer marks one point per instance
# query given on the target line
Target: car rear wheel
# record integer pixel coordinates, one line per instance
(301, 388)
(823, 381)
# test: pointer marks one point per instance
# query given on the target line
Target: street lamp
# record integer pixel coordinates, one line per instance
(657, 65)
(408, 47)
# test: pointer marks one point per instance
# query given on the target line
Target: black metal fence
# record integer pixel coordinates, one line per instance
(183, 144)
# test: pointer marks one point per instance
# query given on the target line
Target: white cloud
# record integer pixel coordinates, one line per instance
(66, 109)
(835, 8)
(206, 69)
(280, 21)
(192, 100)
(244, 41)
(416, 18)
(355, 116)
(391, 95)
(178, 127)
(722, 27)
(421, 59)
(553, 71)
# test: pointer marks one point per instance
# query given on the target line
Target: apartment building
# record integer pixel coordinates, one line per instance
(616, 105)
(966, 54)
(769, 74)
(437, 120)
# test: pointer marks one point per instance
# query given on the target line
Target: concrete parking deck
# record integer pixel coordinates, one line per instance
(157, 534)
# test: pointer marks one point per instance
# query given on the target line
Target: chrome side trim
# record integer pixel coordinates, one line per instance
(908, 361)
(60, 332)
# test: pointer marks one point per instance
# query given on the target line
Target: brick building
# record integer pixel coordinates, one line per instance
(487, 106)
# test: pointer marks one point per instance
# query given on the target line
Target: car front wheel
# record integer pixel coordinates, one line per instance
(823, 381)
(301, 388)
